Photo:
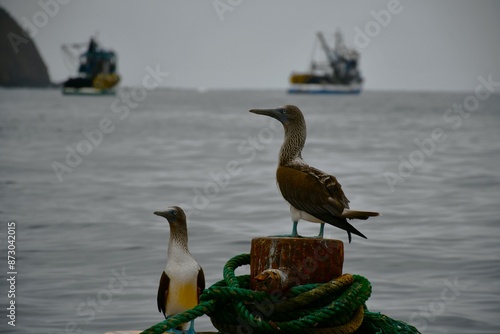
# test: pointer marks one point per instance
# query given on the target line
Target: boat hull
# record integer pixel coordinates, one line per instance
(325, 89)
(88, 91)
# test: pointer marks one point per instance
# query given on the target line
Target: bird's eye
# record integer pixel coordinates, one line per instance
(283, 111)
(174, 213)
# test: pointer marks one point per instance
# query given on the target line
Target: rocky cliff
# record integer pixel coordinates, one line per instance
(20, 62)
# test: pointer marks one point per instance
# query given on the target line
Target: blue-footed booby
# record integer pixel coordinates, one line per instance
(182, 281)
(313, 195)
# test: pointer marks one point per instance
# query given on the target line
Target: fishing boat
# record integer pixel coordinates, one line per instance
(337, 73)
(96, 70)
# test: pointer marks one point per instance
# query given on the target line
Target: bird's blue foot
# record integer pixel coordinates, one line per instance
(174, 331)
(293, 235)
(294, 229)
(191, 328)
(321, 230)
(286, 236)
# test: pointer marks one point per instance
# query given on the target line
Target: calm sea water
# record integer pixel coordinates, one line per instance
(89, 251)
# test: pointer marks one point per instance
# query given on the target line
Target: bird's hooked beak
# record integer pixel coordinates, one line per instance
(277, 113)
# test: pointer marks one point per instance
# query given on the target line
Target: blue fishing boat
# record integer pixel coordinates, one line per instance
(337, 74)
(96, 70)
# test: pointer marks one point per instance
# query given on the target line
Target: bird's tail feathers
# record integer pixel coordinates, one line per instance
(343, 224)
(355, 214)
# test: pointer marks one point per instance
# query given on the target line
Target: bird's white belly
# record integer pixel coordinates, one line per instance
(298, 215)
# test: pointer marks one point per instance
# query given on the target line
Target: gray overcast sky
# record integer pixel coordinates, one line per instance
(426, 45)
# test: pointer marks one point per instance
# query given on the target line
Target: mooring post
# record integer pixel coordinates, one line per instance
(279, 263)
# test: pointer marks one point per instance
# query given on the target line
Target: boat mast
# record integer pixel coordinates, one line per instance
(332, 59)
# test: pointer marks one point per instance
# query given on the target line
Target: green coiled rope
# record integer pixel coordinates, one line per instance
(335, 307)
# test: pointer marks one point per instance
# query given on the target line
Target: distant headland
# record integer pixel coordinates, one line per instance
(20, 62)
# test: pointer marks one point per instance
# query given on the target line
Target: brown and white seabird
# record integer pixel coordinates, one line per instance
(183, 280)
(313, 195)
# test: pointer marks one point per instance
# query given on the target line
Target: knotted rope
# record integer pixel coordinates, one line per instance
(335, 307)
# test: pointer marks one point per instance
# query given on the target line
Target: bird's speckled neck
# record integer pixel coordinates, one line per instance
(295, 139)
(178, 238)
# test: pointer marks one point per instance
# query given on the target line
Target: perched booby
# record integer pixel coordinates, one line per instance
(182, 281)
(313, 195)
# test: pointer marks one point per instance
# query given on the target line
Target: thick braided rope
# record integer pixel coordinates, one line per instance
(335, 307)
(306, 317)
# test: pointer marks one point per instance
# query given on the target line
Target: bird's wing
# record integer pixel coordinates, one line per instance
(201, 283)
(163, 292)
(331, 184)
(309, 189)
(319, 194)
